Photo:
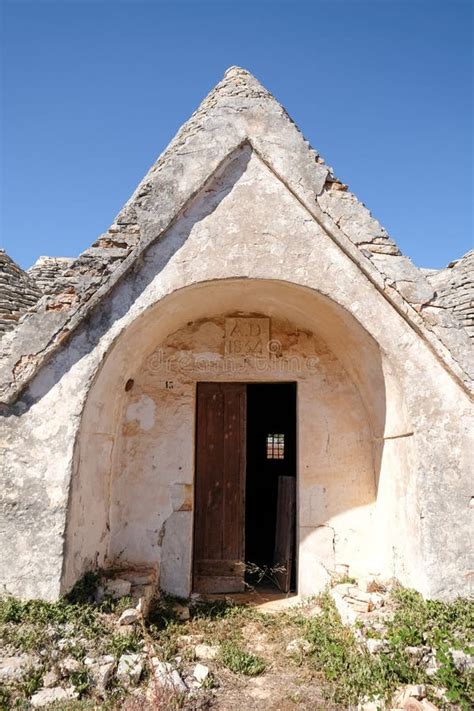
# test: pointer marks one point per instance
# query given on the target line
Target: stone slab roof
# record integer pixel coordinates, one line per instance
(238, 110)
(51, 274)
(454, 290)
(18, 292)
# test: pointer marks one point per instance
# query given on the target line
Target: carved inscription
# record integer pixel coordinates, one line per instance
(247, 336)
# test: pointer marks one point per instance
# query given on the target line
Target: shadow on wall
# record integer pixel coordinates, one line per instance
(93, 522)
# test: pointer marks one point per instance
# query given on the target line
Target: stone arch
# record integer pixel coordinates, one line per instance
(95, 530)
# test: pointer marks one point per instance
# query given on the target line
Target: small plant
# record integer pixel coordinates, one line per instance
(80, 680)
(31, 681)
(124, 644)
(215, 610)
(240, 661)
(257, 574)
(343, 578)
(85, 589)
(4, 698)
(442, 626)
(11, 609)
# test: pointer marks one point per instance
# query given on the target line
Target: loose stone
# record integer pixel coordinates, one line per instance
(166, 676)
(130, 668)
(13, 668)
(298, 646)
(200, 673)
(205, 651)
(129, 617)
(45, 697)
(101, 670)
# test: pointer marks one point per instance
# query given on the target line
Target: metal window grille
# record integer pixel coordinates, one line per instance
(275, 446)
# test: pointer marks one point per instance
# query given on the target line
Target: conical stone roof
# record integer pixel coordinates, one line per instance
(18, 292)
(238, 111)
(454, 288)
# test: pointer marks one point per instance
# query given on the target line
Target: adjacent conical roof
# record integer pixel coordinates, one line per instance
(18, 292)
(51, 273)
(454, 287)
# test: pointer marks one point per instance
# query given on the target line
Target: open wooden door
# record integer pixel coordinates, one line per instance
(285, 531)
(219, 518)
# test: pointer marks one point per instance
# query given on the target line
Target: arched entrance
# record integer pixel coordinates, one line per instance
(132, 497)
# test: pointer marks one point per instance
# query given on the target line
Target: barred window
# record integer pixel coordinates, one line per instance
(275, 446)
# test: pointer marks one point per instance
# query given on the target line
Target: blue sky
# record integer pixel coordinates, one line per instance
(93, 90)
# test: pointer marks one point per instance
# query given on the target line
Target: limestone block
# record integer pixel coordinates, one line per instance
(461, 660)
(13, 668)
(181, 611)
(408, 279)
(45, 697)
(51, 679)
(130, 668)
(401, 696)
(200, 673)
(205, 651)
(129, 616)
(175, 567)
(69, 665)
(142, 597)
(298, 646)
(428, 706)
(167, 676)
(101, 670)
(375, 645)
(352, 216)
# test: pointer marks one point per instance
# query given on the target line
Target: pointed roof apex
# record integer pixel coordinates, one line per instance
(234, 70)
(240, 82)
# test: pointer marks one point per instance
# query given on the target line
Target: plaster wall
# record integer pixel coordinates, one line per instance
(155, 454)
(244, 243)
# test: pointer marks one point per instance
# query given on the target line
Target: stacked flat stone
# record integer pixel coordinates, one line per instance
(18, 292)
(454, 287)
(69, 281)
(49, 273)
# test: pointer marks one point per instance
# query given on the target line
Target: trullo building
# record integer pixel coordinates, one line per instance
(243, 368)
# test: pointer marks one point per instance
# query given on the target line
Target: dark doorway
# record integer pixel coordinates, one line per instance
(245, 486)
(270, 510)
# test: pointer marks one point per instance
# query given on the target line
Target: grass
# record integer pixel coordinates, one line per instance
(352, 673)
(239, 661)
(250, 644)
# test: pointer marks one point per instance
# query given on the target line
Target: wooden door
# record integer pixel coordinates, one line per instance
(285, 531)
(219, 517)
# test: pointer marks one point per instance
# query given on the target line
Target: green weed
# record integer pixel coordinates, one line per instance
(241, 662)
(352, 673)
(4, 698)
